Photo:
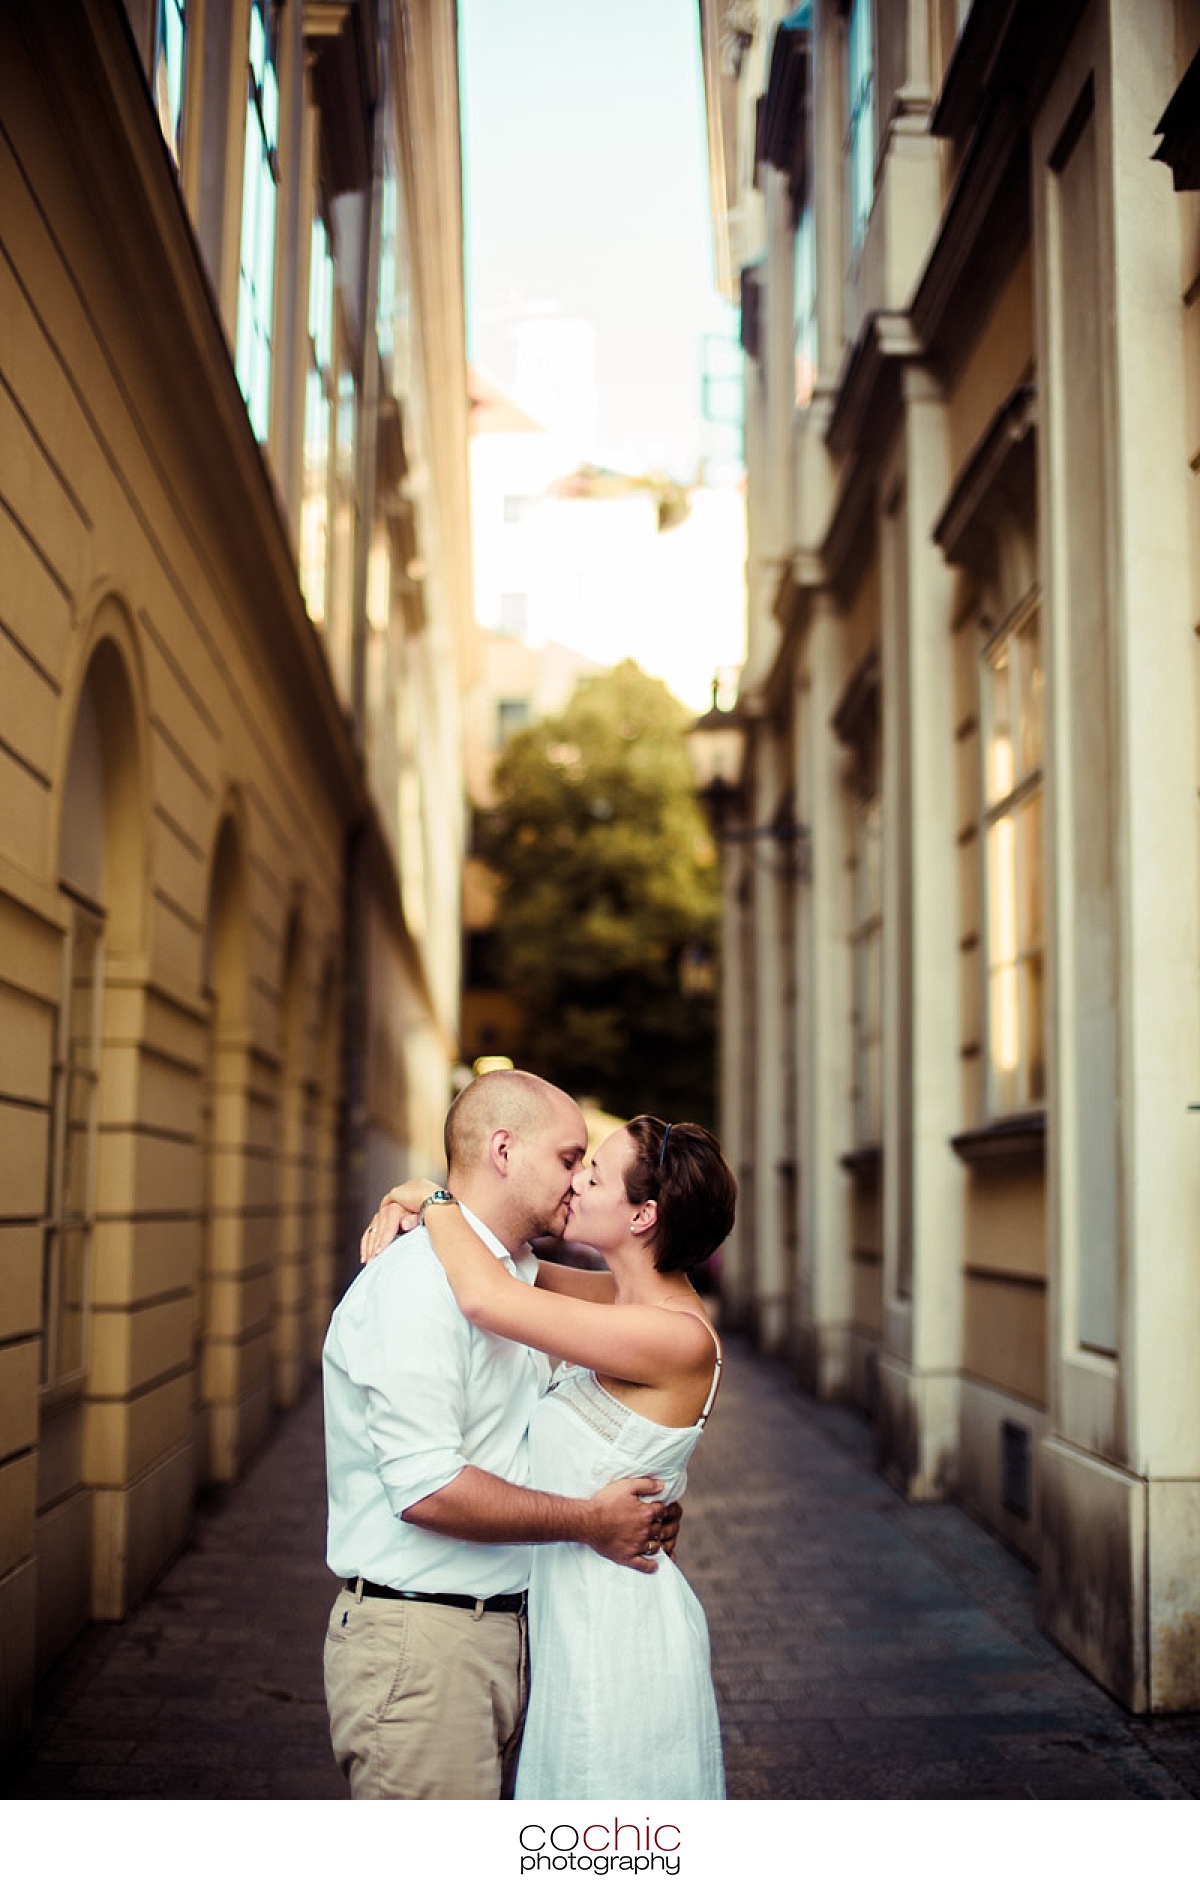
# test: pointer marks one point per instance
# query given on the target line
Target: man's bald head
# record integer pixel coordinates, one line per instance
(513, 1143)
(503, 1098)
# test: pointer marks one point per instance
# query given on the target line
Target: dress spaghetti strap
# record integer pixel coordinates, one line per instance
(716, 1378)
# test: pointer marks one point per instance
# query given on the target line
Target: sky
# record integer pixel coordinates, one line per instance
(586, 198)
(589, 279)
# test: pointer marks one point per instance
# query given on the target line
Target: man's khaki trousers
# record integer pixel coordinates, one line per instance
(426, 1701)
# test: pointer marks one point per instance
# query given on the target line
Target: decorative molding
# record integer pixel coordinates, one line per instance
(341, 39)
(868, 391)
(851, 529)
(739, 29)
(999, 471)
(856, 716)
(984, 225)
(1002, 43)
(784, 122)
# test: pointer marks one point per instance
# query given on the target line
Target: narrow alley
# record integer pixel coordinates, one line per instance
(863, 1648)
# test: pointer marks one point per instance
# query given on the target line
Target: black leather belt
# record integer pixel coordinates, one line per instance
(512, 1604)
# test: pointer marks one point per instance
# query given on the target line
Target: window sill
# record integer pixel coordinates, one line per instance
(1013, 1143)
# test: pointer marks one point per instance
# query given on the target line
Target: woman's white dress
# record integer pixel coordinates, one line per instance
(621, 1702)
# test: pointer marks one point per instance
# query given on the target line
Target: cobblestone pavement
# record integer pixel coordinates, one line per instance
(863, 1648)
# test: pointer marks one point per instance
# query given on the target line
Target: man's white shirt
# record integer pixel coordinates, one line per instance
(413, 1392)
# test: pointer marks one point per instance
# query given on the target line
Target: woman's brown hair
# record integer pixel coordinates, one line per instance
(679, 1165)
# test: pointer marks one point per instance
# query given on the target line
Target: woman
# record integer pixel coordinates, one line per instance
(621, 1703)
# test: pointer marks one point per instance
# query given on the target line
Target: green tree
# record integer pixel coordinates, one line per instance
(609, 898)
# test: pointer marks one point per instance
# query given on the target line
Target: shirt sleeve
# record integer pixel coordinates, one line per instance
(414, 1362)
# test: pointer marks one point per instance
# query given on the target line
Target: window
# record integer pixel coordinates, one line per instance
(69, 1214)
(256, 282)
(860, 118)
(514, 613)
(393, 318)
(516, 510)
(857, 721)
(318, 414)
(805, 307)
(344, 523)
(170, 51)
(385, 308)
(868, 974)
(484, 960)
(1012, 797)
(512, 715)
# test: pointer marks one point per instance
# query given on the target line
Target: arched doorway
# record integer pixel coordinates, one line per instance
(101, 882)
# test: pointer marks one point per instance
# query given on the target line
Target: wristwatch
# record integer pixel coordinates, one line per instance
(441, 1197)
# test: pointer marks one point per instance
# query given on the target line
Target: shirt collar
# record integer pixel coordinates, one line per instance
(519, 1261)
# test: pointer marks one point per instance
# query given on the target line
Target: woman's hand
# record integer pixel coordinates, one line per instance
(398, 1212)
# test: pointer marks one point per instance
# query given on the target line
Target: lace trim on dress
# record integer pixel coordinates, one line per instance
(581, 1389)
(596, 1407)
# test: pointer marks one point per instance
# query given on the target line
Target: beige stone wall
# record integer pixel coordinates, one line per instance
(180, 789)
(218, 845)
(1008, 410)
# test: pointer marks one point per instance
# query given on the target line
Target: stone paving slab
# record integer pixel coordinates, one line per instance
(862, 1648)
(865, 1648)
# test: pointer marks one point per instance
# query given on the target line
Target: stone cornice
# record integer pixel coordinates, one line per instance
(989, 196)
(1179, 131)
(343, 50)
(1005, 58)
(852, 526)
(1003, 44)
(865, 413)
(1001, 463)
(868, 393)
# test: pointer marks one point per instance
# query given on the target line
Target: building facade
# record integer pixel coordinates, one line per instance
(235, 628)
(962, 1015)
(525, 672)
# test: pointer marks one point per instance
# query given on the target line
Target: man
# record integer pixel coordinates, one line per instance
(429, 1518)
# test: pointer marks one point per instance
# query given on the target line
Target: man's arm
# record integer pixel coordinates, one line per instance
(624, 1522)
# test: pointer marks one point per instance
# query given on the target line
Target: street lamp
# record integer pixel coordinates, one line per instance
(717, 745)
